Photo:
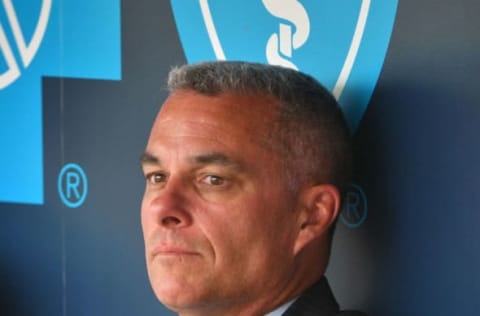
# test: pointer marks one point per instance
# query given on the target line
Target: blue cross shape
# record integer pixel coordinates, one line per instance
(82, 39)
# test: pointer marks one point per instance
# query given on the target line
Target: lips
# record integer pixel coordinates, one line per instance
(173, 250)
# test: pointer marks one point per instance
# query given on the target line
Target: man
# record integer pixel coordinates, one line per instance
(244, 171)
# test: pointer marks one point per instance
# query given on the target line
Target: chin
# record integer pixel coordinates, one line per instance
(176, 294)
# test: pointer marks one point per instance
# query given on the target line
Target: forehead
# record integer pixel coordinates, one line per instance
(244, 117)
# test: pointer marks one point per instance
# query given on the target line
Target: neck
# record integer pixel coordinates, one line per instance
(260, 304)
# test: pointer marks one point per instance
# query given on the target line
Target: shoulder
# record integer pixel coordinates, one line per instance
(318, 300)
(351, 313)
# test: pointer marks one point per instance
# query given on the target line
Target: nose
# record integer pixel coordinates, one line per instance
(168, 206)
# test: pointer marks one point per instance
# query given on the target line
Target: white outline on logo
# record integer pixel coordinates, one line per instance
(27, 52)
(212, 31)
(349, 60)
(352, 52)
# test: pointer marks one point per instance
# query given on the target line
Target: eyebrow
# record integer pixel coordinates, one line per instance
(213, 158)
(216, 158)
(149, 159)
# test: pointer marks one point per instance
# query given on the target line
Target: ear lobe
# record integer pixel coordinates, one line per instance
(320, 208)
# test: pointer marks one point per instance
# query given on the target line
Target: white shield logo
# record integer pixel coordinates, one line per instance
(26, 50)
(340, 42)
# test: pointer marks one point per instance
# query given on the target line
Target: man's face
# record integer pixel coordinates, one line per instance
(218, 220)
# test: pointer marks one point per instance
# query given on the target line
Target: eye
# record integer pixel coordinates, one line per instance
(155, 178)
(213, 180)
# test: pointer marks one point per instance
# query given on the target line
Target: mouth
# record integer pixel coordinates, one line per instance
(172, 251)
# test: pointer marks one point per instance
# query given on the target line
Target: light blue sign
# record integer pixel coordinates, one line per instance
(59, 38)
(355, 207)
(72, 185)
(342, 43)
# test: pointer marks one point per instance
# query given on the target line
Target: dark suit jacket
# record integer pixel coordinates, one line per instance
(318, 300)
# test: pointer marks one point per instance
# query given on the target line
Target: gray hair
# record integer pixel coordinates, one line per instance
(311, 129)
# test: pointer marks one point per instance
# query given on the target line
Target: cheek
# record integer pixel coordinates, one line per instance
(145, 219)
(238, 229)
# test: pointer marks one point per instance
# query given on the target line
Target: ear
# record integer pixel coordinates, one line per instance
(319, 208)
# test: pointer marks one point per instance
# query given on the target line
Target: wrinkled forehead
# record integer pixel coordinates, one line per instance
(251, 114)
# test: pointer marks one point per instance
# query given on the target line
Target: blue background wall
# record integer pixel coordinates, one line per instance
(417, 150)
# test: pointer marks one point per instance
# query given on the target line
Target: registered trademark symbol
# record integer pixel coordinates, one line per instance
(354, 212)
(72, 185)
